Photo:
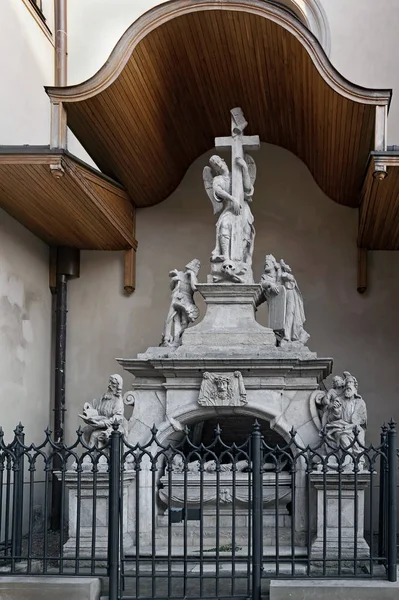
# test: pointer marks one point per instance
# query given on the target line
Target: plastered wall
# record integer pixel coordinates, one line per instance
(25, 331)
(294, 220)
(26, 66)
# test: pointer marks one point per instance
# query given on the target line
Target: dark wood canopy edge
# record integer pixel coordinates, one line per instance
(64, 201)
(379, 206)
(166, 90)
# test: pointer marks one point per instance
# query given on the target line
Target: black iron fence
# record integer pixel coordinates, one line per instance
(187, 520)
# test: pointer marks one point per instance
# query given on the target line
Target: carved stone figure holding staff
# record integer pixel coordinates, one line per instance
(231, 193)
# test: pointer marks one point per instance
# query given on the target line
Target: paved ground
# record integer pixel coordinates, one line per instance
(149, 588)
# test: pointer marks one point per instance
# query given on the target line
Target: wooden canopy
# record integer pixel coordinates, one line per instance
(163, 96)
(379, 207)
(63, 201)
(166, 91)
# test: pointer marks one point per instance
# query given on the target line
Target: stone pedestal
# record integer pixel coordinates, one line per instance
(93, 501)
(229, 321)
(340, 503)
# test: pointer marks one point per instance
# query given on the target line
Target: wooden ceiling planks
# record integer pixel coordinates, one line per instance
(160, 101)
(64, 202)
(379, 208)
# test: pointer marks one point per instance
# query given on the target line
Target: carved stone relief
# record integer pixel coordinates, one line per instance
(222, 389)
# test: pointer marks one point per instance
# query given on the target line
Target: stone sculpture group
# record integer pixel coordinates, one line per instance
(231, 192)
(229, 365)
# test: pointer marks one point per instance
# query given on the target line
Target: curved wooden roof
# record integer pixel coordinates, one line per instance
(167, 89)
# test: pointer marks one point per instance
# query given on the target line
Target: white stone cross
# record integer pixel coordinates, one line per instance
(239, 143)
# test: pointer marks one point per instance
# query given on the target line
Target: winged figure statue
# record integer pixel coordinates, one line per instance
(235, 232)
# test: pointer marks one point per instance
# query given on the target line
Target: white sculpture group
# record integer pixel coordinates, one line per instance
(231, 264)
(231, 260)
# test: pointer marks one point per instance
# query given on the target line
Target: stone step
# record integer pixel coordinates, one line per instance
(285, 551)
(210, 538)
(225, 521)
(47, 588)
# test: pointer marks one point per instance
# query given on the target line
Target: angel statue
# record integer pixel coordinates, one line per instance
(231, 193)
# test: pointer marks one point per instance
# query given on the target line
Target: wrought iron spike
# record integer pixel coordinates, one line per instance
(115, 425)
(256, 426)
(154, 430)
(392, 425)
(19, 429)
(218, 429)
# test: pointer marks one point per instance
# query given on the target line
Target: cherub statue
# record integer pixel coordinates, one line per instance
(235, 232)
(99, 415)
(183, 309)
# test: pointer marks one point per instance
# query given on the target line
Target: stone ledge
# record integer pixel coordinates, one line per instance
(42, 588)
(334, 589)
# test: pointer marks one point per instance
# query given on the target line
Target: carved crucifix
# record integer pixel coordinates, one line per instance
(238, 143)
(231, 194)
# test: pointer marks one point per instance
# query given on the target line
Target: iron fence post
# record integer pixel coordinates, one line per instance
(257, 533)
(18, 492)
(392, 503)
(113, 511)
(382, 523)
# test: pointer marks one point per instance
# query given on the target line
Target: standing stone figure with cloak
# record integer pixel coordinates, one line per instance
(285, 302)
(231, 193)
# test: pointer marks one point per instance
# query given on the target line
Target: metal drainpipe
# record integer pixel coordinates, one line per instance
(61, 52)
(60, 354)
(68, 266)
(65, 256)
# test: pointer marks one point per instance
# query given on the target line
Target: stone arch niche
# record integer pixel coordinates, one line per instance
(236, 428)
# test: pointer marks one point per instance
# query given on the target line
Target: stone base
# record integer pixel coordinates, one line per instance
(229, 320)
(86, 495)
(339, 496)
(42, 588)
(351, 589)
